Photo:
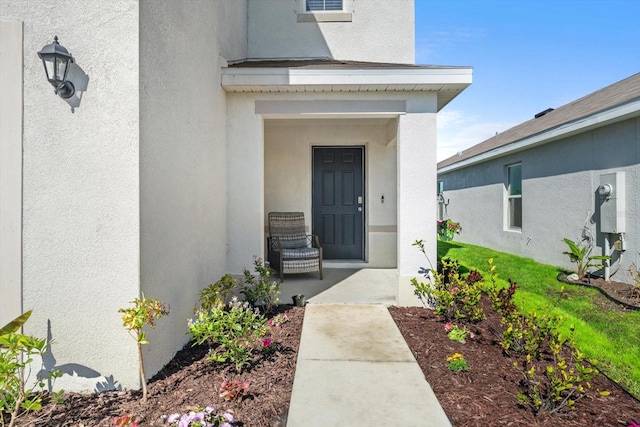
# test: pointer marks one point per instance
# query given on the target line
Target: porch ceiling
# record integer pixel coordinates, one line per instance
(448, 82)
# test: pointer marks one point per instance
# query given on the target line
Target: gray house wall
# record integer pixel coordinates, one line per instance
(559, 196)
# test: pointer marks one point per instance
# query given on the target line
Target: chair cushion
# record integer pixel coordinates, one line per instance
(292, 242)
(300, 253)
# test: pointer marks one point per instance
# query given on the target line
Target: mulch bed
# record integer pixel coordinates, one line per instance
(486, 395)
(190, 381)
(624, 294)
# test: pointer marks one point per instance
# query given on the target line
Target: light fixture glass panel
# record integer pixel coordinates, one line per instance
(49, 68)
(61, 68)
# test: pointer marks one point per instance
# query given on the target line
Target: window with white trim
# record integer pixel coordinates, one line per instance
(324, 5)
(514, 196)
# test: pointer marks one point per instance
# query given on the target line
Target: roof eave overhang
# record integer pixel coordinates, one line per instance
(584, 124)
(447, 82)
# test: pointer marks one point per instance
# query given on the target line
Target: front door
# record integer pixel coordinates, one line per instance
(338, 201)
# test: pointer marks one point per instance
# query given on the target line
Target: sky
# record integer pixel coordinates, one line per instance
(527, 56)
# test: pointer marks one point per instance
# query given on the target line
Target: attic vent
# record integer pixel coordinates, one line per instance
(542, 113)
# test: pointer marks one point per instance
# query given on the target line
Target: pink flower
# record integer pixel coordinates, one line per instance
(447, 327)
(266, 342)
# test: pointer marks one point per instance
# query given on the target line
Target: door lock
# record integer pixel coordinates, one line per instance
(359, 200)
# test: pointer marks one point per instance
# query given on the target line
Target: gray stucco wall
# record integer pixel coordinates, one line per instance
(183, 155)
(559, 183)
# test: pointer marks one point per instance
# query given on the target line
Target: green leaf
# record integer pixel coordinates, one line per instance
(15, 324)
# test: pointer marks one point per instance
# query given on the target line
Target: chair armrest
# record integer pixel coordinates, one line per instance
(273, 244)
(315, 241)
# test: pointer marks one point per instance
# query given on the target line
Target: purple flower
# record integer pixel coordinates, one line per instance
(173, 418)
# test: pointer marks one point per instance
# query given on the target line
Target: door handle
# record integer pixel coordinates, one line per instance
(359, 208)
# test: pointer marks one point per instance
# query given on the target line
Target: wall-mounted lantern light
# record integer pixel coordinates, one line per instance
(56, 60)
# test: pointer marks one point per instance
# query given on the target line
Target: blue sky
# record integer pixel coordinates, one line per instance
(527, 56)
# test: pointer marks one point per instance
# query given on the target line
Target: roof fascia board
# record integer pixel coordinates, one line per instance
(316, 76)
(599, 119)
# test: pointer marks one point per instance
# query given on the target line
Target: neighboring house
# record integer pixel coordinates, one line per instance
(200, 117)
(529, 187)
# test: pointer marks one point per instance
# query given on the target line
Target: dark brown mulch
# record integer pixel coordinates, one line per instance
(486, 394)
(624, 294)
(190, 381)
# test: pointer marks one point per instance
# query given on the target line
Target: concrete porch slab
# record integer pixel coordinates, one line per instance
(343, 286)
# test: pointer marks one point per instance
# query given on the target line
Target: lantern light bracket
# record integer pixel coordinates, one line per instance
(57, 60)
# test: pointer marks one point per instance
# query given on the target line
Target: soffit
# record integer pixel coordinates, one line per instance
(310, 76)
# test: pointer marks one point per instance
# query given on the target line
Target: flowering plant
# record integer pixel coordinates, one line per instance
(234, 390)
(457, 363)
(447, 229)
(230, 330)
(456, 333)
(206, 417)
(125, 420)
(278, 321)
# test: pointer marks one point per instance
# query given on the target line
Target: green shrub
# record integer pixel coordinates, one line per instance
(145, 311)
(558, 384)
(17, 352)
(528, 334)
(230, 331)
(451, 295)
(261, 291)
(579, 254)
(217, 293)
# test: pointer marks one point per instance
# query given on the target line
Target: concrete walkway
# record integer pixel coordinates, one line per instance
(355, 369)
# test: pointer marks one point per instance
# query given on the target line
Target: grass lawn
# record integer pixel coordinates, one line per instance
(602, 330)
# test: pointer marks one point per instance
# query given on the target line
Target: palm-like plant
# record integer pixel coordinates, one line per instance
(579, 254)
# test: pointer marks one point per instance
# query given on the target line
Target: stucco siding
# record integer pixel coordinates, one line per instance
(80, 189)
(559, 184)
(380, 31)
(183, 198)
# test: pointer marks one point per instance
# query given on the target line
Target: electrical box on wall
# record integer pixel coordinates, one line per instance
(612, 206)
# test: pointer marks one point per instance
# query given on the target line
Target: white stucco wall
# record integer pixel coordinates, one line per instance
(249, 155)
(380, 31)
(183, 156)
(416, 180)
(80, 189)
(10, 170)
(559, 186)
(288, 174)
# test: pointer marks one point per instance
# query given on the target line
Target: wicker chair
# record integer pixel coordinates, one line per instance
(291, 250)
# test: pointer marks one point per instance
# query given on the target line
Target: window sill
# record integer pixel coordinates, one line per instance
(325, 17)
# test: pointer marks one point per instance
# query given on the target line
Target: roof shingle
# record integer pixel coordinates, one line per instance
(616, 94)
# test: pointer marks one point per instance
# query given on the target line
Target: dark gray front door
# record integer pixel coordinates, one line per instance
(338, 201)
